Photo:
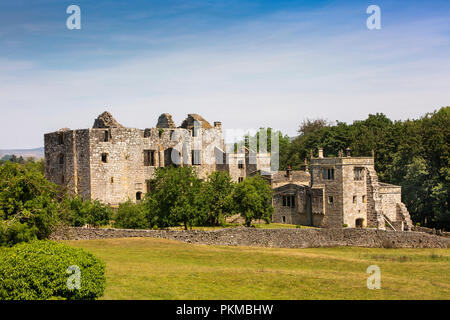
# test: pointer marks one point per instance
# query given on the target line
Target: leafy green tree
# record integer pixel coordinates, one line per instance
(252, 198)
(173, 199)
(214, 198)
(131, 216)
(77, 213)
(28, 204)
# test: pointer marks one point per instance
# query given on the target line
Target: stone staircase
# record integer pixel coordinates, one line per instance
(404, 214)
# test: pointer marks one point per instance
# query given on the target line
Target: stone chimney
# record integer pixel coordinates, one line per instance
(218, 125)
(348, 151)
(320, 152)
(288, 171)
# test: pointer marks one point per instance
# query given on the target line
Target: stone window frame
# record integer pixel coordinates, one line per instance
(106, 136)
(288, 200)
(330, 199)
(358, 173)
(149, 158)
(240, 164)
(328, 173)
(62, 159)
(196, 157)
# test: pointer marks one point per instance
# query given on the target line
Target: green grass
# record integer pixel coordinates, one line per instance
(146, 268)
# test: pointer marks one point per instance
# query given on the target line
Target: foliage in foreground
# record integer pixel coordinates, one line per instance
(28, 205)
(38, 270)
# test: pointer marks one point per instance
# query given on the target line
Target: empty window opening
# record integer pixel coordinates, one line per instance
(150, 186)
(149, 158)
(60, 138)
(240, 179)
(61, 158)
(359, 173)
(330, 199)
(139, 196)
(283, 218)
(196, 157)
(104, 157)
(355, 199)
(106, 137)
(289, 201)
(328, 174)
(364, 199)
(112, 179)
(241, 164)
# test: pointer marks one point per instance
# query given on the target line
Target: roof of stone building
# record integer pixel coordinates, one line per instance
(165, 121)
(106, 120)
(188, 123)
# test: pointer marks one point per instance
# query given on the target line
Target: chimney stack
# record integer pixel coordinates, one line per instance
(218, 125)
(320, 152)
(288, 171)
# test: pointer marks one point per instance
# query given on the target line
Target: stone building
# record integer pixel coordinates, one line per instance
(335, 192)
(113, 163)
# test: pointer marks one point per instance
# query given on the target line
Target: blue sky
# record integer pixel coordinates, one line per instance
(245, 63)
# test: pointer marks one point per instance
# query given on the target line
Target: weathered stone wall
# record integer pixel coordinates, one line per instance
(109, 163)
(277, 238)
(390, 196)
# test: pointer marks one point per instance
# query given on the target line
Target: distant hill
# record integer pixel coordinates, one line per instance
(25, 153)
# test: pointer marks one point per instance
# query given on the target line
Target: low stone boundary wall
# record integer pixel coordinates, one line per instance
(276, 238)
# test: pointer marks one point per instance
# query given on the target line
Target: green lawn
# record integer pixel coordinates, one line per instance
(146, 268)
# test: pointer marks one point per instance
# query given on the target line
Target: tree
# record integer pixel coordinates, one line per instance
(28, 204)
(173, 200)
(77, 213)
(252, 198)
(131, 216)
(214, 198)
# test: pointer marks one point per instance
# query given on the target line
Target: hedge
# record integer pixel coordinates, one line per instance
(38, 270)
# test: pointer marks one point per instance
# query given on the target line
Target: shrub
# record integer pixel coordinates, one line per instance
(131, 216)
(77, 213)
(38, 270)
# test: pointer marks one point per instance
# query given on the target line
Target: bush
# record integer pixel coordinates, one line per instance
(77, 213)
(38, 270)
(131, 216)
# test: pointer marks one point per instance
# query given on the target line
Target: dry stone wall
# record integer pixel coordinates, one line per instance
(275, 238)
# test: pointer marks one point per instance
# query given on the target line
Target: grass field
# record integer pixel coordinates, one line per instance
(145, 268)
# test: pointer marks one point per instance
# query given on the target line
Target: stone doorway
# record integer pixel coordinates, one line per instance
(359, 223)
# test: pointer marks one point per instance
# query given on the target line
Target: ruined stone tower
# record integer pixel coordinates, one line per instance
(112, 163)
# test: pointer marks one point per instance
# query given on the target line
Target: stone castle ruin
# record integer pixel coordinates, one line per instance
(113, 164)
